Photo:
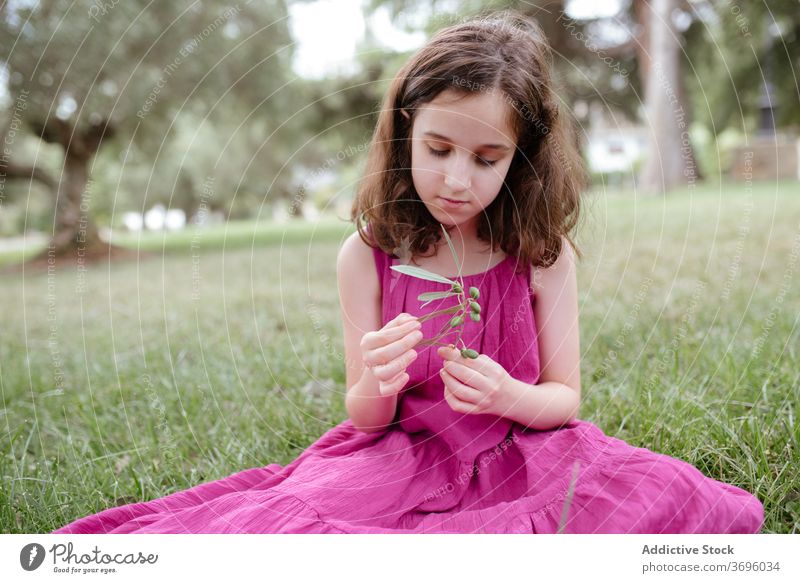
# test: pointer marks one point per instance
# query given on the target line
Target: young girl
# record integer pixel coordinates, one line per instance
(471, 137)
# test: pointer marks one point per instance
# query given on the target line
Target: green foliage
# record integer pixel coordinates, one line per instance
(192, 94)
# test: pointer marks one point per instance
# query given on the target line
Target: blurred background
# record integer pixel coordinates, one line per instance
(120, 117)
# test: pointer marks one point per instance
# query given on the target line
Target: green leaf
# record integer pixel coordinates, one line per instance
(452, 250)
(428, 297)
(435, 295)
(420, 273)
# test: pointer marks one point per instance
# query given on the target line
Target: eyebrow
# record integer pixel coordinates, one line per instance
(485, 146)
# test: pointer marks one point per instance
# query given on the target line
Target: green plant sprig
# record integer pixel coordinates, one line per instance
(467, 302)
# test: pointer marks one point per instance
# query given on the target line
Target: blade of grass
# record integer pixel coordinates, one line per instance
(453, 251)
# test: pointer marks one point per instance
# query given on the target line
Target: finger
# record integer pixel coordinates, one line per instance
(397, 332)
(394, 385)
(391, 351)
(386, 372)
(448, 353)
(482, 364)
(455, 403)
(380, 338)
(400, 319)
(461, 391)
(466, 375)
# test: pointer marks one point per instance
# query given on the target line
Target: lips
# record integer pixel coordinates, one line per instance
(452, 202)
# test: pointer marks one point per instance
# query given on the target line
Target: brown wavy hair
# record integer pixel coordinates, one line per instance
(538, 205)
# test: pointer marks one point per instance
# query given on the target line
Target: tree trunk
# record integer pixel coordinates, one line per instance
(75, 236)
(669, 157)
(75, 230)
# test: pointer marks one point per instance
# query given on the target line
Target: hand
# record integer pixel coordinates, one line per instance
(474, 386)
(388, 352)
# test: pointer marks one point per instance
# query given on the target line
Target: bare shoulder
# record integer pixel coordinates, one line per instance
(557, 274)
(356, 263)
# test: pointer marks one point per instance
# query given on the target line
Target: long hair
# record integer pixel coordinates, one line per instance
(538, 205)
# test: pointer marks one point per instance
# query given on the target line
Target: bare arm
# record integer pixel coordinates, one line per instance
(542, 406)
(367, 408)
(360, 301)
(555, 399)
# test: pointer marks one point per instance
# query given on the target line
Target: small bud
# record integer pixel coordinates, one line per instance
(456, 321)
(469, 353)
(474, 293)
(475, 317)
(475, 307)
(457, 288)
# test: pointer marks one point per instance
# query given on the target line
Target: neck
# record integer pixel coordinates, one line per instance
(464, 238)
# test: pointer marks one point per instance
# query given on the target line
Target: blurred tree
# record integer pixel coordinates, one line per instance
(733, 49)
(699, 59)
(669, 158)
(91, 72)
(597, 60)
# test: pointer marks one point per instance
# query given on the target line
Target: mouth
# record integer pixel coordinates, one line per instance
(453, 203)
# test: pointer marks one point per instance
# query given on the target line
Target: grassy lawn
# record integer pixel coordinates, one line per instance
(131, 383)
(225, 237)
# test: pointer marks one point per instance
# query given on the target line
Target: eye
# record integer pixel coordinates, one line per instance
(443, 153)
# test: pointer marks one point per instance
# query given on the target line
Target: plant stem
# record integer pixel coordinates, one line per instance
(449, 310)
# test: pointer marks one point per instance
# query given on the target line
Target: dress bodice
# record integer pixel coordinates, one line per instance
(506, 333)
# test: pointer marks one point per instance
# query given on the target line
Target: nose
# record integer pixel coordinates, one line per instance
(457, 176)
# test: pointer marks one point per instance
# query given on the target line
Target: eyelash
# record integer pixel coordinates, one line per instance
(443, 153)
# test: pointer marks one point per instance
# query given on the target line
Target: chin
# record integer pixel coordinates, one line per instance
(441, 215)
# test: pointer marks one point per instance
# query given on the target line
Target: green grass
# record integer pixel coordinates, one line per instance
(203, 362)
(227, 236)
(235, 235)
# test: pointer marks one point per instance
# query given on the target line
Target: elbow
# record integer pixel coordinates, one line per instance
(575, 410)
(571, 405)
(359, 426)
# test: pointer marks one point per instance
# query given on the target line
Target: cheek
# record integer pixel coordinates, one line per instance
(426, 177)
(486, 185)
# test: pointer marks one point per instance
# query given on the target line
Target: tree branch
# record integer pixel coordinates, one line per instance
(19, 172)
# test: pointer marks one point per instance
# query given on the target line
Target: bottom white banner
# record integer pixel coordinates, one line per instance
(398, 557)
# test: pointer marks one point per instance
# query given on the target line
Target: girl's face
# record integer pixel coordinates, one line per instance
(461, 150)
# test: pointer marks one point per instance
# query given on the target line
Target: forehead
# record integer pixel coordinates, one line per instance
(470, 120)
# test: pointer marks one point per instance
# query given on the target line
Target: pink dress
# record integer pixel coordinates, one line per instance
(437, 471)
